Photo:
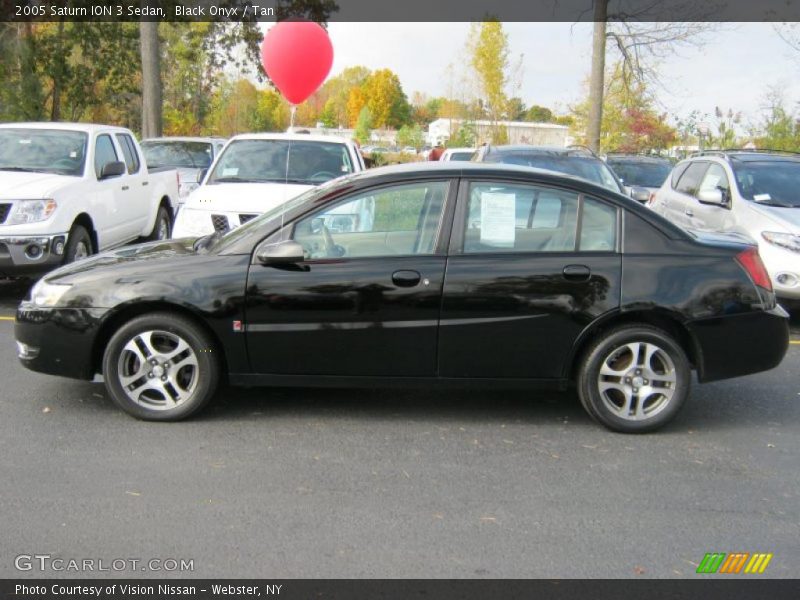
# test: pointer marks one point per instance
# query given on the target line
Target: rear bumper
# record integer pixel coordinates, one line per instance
(31, 254)
(736, 345)
(57, 341)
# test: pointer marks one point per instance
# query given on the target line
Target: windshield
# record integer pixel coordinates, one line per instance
(190, 155)
(593, 169)
(263, 161)
(462, 155)
(642, 174)
(43, 150)
(772, 182)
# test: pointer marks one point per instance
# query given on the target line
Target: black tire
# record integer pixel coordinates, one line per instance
(619, 406)
(189, 386)
(162, 228)
(79, 242)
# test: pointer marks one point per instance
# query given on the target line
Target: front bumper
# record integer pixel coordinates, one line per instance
(735, 345)
(28, 254)
(58, 341)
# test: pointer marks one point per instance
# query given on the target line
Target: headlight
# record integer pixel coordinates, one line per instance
(192, 222)
(31, 211)
(784, 240)
(48, 294)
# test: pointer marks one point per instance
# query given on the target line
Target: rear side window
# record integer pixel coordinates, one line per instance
(689, 182)
(522, 218)
(129, 151)
(104, 153)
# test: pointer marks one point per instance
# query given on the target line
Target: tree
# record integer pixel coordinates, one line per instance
(780, 126)
(641, 34)
(411, 135)
(363, 125)
(539, 114)
(151, 79)
(516, 109)
(386, 100)
(356, 101)
(464, 136)
(487, 49)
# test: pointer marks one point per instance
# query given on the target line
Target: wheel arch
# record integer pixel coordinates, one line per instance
(124, 314)
(85, 221)
(662, 319)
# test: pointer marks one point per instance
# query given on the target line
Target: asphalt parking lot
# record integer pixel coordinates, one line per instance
(319, 483)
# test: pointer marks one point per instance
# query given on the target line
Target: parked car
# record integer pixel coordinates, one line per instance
(747, 192)
(576, 161)
(458, 154)
(641, 175)
(257, 172)
(408, 150)
(469, 274)
(190, 156)
(68, 190)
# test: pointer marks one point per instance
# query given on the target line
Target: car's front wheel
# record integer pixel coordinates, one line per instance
(161, 367)
(634, 379)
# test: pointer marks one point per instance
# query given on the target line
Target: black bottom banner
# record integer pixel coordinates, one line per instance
(429, 589)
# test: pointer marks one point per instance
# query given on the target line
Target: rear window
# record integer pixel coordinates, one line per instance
(677, 172)
(691, 178)
(640, 173)
(586, 167)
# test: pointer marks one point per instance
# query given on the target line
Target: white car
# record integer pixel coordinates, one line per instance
(457, 154)
(257, 172)
(755, 194)
(68, 190)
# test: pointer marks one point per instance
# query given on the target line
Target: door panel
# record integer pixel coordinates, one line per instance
(345, 317)
(529, 268)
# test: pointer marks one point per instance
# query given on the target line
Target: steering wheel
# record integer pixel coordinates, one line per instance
(326, 175)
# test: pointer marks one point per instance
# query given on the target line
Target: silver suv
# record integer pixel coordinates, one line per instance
(749, 192)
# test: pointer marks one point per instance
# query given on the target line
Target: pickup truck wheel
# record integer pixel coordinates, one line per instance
(79, 245)
(163, 226)
(161, 367)
(634, 379)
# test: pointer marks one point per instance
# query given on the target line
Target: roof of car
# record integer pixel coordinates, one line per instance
(636, 158)
(574, 151)
(184, 138)
(65, 126)
(746, 155)
(295, 137)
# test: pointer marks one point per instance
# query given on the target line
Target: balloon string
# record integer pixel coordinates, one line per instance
(292, 112)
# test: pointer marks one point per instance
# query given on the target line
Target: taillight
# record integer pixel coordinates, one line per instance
(751, 262)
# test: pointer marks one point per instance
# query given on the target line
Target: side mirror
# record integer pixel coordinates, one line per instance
(639, 194)
(715, 197)
(282, 253)
(112, 169)
(201, 175)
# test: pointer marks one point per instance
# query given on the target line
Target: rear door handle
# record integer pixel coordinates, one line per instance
(689, 212)
(125, 188)
(145, 182)
(406, 278)
(577, 272)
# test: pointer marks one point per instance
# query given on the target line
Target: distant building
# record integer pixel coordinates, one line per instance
(519, 132)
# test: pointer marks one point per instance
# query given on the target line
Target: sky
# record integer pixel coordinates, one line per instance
(734, 69)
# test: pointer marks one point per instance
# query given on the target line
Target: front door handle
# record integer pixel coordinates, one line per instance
(577, 272)
(689, 212)
(125, 188)
(406, 278)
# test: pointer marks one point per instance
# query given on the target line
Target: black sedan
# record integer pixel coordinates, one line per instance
(446, 274)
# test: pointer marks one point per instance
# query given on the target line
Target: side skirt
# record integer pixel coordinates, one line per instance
(339, 381)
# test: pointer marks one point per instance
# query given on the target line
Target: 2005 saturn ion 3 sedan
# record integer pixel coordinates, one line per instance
(442, 274)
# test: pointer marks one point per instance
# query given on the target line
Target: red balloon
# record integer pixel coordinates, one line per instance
(297, 56)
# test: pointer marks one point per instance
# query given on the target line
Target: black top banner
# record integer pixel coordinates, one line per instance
(404, 11)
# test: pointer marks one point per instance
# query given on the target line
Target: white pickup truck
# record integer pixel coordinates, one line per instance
(259, 171)
(68, 190)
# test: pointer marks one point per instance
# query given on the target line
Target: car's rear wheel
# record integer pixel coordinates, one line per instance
(634, 379)
(162, 227)
(161, 367)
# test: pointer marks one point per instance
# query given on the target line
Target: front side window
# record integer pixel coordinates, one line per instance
(391, 221)
(104, 153)
(715, 179)
(522, 218)
(689, 182)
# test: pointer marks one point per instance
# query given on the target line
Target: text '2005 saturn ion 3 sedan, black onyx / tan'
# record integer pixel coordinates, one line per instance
(452, 274)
